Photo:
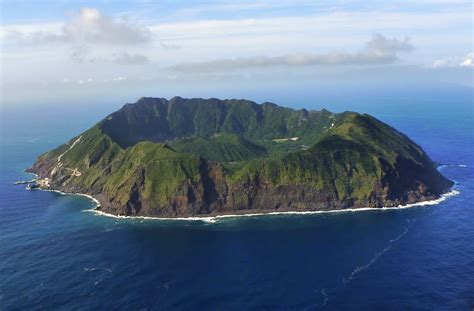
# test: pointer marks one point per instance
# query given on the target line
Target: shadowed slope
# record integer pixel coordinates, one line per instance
(187, 157)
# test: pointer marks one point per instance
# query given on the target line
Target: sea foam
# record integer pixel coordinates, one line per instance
(214, 219)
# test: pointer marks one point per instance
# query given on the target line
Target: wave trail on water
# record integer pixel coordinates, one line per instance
(98, 269)
(325, 296)
(375, 258)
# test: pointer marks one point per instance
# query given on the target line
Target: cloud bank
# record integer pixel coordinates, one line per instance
(82, 55)
(89, 26)
(251, 49)
(92, 36)
(379, 50)
(452, 62)
(125, 58)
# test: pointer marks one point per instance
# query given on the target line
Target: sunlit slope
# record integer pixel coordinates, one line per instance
(222, 147)
(360, 159)
(193, 157)
(159, 120)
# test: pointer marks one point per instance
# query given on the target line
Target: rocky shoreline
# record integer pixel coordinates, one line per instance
(160, 158)
(253, 213)
(105, 207)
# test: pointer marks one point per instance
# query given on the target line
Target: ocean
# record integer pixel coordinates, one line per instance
(57, 254)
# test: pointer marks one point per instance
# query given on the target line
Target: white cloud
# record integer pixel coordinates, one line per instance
(89, 26)
(90, 35)
(335, 36)
(89, 80)
(444, 62)
(379, 50)
(125, 58)
(82, 54)
(167, 46)
(381, 45)
(466, 61)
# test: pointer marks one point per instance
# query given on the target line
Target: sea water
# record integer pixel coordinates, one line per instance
(56, 254)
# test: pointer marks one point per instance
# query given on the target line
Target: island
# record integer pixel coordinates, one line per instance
(205, 157)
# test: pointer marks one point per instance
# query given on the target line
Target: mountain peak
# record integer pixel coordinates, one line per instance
(196, 157)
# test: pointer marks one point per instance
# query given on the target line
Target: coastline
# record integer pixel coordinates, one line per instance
(214, 219)
(96, 202)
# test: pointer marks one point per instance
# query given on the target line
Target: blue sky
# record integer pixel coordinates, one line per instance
(61, 50)
(15, 11)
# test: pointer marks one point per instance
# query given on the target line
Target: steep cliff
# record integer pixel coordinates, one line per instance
(191, 157)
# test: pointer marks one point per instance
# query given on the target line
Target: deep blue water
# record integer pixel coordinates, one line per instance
(56, 255)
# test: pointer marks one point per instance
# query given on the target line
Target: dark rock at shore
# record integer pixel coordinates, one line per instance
(196, 157)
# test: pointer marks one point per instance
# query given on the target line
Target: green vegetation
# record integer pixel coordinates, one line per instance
(157, 168)
(157, 151)
(220, 147)
(160, 120)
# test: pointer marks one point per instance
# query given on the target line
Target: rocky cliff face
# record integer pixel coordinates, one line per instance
(206, 157)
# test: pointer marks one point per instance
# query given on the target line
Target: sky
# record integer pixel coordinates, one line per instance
(119, 50)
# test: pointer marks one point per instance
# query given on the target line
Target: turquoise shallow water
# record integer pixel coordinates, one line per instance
(54, 254)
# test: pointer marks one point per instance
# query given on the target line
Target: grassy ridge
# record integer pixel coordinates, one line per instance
(155, 168)
(160, 120)
(154, 150)
(348, 161)
(221, 148)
